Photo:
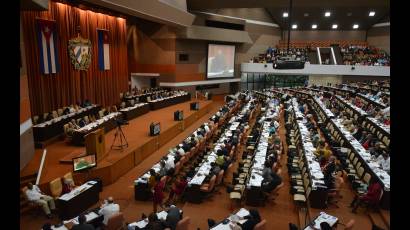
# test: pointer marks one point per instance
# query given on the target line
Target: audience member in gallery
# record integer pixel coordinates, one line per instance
(108, 208)
(35, 195)
(82, 224)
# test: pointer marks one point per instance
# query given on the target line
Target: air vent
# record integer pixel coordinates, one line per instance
(224, 25)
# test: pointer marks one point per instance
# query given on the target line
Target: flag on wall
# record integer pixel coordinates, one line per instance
(103, 50)
(47, 43)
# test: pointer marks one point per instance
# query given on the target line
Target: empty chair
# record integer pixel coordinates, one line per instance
(56, 187)
(183, 224)
(207, 188)
(115, 222)
(55, 114)
(35, 120)
(69, 175)
(60, 112)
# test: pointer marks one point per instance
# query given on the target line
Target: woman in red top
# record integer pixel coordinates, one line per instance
(372, 196)
(158, 194)
(177, 188)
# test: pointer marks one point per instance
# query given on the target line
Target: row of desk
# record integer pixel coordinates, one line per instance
(192, 192)
(52, 128)
(173, 100)
(142, 97)
(318, 194)
(370, 165)
(108, 122)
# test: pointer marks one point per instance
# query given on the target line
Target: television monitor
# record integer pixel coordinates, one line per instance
(155, 129)
(221, 61)
(178, 115)
(84, 162)
(194, 106)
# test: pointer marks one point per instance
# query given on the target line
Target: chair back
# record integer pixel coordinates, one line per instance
(260, 226)
(101, 113)
(69, 175)
(219, 178)
(56, 187)
(212, 183)
(115, 222)
(183, 224)
(350, 224)
(122, 105)
(55, 114)
(60, 112)
(121, 95)
(65, 127)
(114, 108)
(86, 119)
(35, 120)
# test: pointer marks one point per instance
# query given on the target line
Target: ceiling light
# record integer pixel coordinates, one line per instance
(349, 14)
(327, 14)
(294, 26)
(285, 14)
(306, 15)
(314, 26)
(334, 26)
(355, 26)
(372, 13)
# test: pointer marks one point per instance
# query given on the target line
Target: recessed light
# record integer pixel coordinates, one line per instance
(294, 26)
(314, 26)
(349, 14)
(306, 14)
(327, 14)
(355, 26)
(334, 26)
(372, 13)
(285, 14)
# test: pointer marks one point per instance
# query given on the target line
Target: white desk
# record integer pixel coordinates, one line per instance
(323, 217)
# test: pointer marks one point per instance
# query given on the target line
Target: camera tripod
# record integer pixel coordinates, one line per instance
(123, 141)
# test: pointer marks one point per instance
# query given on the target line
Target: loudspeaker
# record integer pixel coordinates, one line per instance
(95, 144)
(289, 65)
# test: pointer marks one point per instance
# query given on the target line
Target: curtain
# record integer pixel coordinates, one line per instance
(49, 92)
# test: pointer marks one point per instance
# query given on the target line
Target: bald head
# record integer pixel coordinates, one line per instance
(110, 200)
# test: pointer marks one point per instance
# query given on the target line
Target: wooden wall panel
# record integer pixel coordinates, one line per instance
(122, 166)
(170, 133)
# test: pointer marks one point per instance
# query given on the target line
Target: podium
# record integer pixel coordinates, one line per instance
(95, 144)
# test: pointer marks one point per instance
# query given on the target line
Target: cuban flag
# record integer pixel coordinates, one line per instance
(47, 43)
(103, 50)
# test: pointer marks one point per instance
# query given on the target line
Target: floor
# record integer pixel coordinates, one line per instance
(278, 214)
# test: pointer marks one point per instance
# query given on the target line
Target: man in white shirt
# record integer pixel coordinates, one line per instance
(169, 163)
(108, 209)
(34, 194)
(384, 161)
(181, 151)
(206, 128)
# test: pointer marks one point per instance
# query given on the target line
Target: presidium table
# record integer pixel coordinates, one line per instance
(107, 122)
(49, 129)
(78, 200)
(135, 111)
(165, 102)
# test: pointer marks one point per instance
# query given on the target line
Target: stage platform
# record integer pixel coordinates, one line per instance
(118, 162)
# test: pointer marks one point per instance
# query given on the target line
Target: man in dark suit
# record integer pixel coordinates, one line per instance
(174, 215)
(82, 224)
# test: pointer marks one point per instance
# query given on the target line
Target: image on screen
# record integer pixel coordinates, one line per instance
(220, 61)
(157, 128)
(85, 162)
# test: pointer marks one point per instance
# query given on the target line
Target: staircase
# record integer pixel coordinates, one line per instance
(24, 205)
(338, 55)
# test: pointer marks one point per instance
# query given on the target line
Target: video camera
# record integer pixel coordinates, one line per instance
(121, 121)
